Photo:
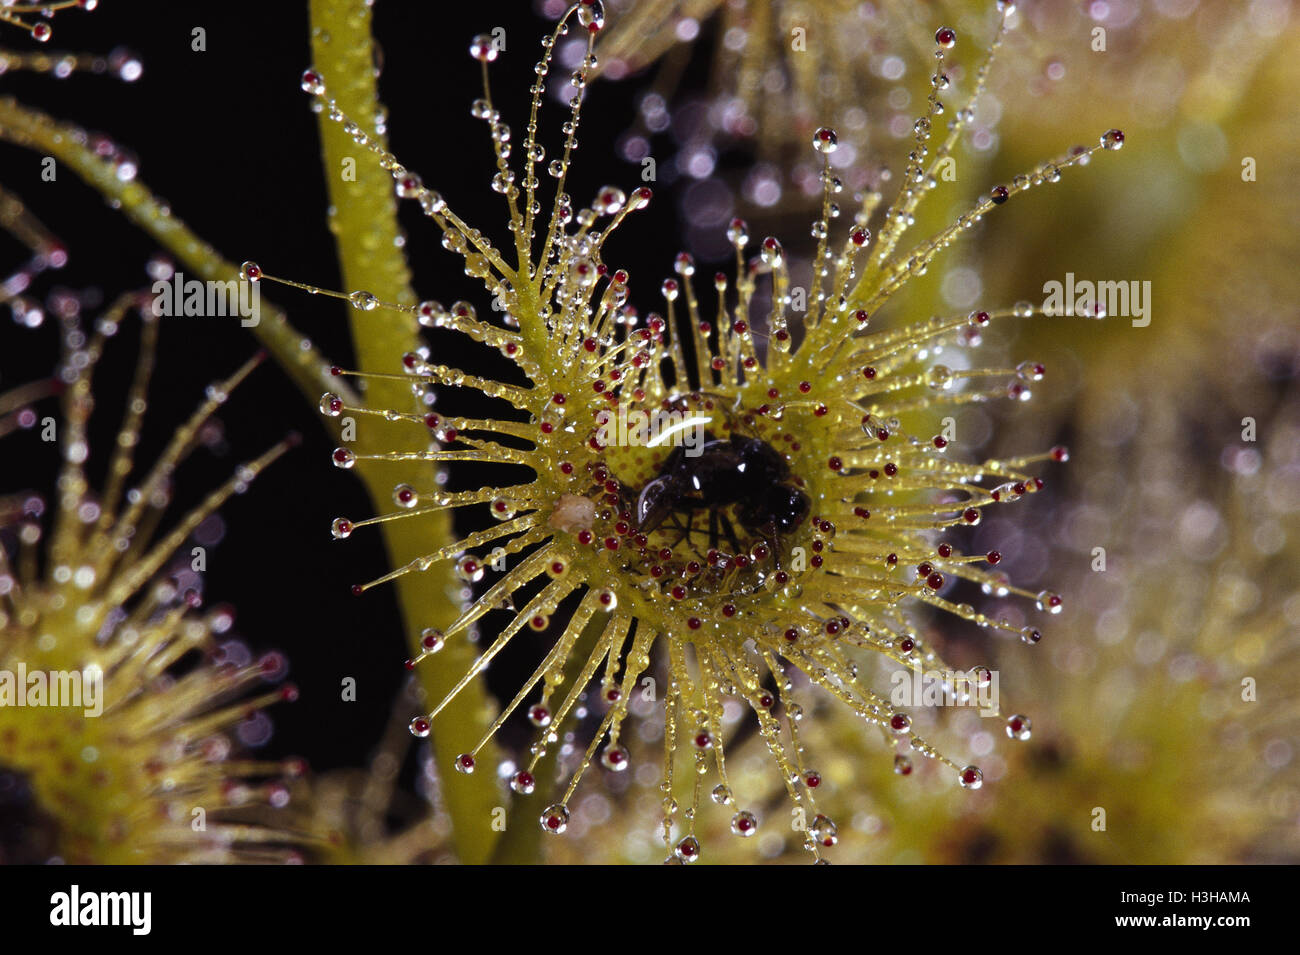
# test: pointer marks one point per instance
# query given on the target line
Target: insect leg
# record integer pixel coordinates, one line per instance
(675, 523)
(775, 543)
(731, 532)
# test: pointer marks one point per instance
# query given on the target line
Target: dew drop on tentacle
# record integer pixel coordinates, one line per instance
(939, 377)
(824, 831)
(1031, 371)
(405, 496)
(614, 758)
(771, 252)
(825, 141)
(408, 186)
(470, 569)
(738, 233)
(1049, 602)
(313, 83)
(609, 200)
(591, 14)
(483, 48)
(363, 301)
(554, 819)
(331, 405)
(1019, 727)
(688, 849)
(744, 824)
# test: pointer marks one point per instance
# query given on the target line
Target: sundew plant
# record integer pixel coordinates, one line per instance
(795, 538)
(683, 468)
(125, 702)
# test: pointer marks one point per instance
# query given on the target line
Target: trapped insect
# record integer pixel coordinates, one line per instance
(738, 471)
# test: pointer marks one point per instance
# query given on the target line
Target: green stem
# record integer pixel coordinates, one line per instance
(364, 222)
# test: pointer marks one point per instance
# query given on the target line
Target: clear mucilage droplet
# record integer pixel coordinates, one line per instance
(939, 377)
(363, 301)
(824, 831)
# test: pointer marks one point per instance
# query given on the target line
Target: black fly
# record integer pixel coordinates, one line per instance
(739, 470)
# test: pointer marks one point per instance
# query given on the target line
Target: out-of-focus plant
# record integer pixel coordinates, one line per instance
(1172, 732)
(362, 221)
(364, 816)
(125, 712)
(778, 71)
